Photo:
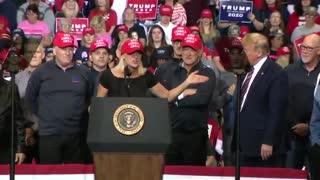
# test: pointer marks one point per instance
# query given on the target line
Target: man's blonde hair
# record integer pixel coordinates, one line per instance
(258, 41)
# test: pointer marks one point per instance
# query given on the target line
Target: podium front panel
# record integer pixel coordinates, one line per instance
(154, 136)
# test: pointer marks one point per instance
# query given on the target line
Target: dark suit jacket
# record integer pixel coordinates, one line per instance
(262, 119)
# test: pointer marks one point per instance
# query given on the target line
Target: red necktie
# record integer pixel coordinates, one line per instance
(245, 84)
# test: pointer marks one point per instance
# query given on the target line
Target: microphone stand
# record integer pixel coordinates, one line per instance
(237, 161)
(13, 68)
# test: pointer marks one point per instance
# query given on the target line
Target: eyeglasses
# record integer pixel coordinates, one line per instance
(307, 48)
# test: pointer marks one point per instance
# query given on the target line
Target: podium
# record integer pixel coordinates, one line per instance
(128, 137)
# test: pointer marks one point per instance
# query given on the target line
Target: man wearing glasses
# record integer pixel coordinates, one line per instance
(309, 27)
(302, 80)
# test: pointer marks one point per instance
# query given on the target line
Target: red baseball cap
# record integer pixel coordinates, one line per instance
(98, 44)
(194, 28)
(244, 30)
(63, 40)
(4, 23)
(88, 30)
(206, 13)
(130, 46)
(179, 33)
(283, 51)
(123, 28)
(166, 10)
(193, 41)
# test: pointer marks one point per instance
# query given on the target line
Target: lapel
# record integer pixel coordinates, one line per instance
(257, 79)
(260, 74)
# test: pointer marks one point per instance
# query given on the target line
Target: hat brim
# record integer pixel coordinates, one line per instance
(65, 46)
(108, 49)
(190, 46)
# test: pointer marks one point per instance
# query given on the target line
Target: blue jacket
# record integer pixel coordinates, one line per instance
(315, 118)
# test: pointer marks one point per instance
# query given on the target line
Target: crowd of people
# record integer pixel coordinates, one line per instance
(185, 55)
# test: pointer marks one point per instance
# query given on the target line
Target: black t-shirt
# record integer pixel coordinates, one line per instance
(127, 87)
(82, 53)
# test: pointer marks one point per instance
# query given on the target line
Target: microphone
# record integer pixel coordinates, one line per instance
(127, 74)
(127, 71)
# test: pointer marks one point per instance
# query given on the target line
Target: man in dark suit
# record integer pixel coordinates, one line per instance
(264, 100)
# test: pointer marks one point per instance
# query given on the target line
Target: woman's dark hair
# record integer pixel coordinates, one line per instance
(277, 2)
(34, 8)
(298, 7)
(150, 45)
(162, 2)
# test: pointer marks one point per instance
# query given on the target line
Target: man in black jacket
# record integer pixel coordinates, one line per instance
(5, 121)
(189, 113)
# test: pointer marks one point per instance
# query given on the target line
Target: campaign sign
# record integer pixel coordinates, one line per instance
(77, 26)
(235, 11)
(145, 9)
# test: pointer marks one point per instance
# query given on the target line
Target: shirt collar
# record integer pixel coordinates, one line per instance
(258, 66)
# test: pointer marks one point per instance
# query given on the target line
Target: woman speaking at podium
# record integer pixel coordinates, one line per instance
(130, 79)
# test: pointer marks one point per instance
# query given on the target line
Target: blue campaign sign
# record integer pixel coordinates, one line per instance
(235, 11)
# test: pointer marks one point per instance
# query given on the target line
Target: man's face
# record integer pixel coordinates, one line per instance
(177, 48)
(237, 58)
(190, 56)
(165, 19)
(100, 57)
(129, 15)
(310, 50)
(63, 55)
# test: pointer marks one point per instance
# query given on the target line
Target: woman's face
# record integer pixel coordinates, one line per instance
(133, 60)
(305, 3)
(88, 38)
(32, 17)
(123, 35)
(157, 35)
(65, 27)
(98, 28)
(134, 35)
(71, 4)
(275, 19)
(102, 3)
(270, 2)
(206, 21)
(277, 42)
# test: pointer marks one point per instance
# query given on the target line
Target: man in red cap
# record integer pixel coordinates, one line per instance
(99, 57)
(58, 92)
(81, 55)
(189, 112)
(165, 21)
(178, 34)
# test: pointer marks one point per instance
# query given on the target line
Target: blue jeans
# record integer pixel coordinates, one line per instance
(297, 156)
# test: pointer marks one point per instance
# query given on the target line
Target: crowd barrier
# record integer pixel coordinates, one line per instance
(85, 172)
